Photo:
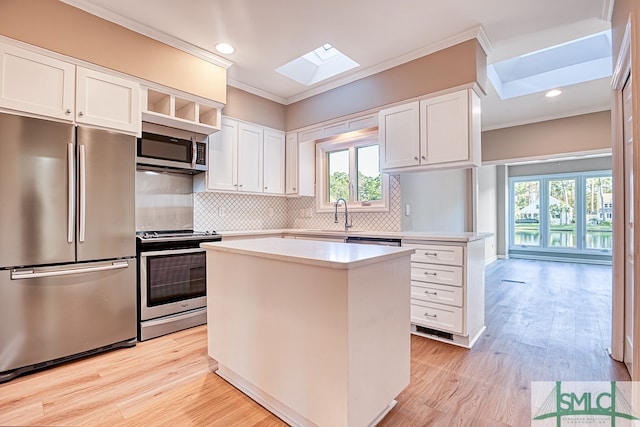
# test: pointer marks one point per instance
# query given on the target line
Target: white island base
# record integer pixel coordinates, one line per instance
(316, 332)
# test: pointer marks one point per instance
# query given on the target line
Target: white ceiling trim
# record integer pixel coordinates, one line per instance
(607, 10)
(149, 32)
(475, 32)
(256, 91)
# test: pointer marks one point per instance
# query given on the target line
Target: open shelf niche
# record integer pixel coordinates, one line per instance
(163, 107)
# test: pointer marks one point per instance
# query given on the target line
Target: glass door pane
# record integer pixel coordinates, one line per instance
(598, 212)
(561, 206)
(526, 213)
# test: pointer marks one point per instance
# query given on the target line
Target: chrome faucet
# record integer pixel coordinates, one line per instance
(347, 224)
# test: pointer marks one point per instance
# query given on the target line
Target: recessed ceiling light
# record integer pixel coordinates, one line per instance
(552, 93)
(225, 48)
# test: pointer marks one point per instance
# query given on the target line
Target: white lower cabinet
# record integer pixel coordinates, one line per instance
(447, 290)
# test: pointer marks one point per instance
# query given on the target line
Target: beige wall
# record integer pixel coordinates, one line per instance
(438, 200)
(245, 106)
(56, 26)
(461, 64)
(553, 138)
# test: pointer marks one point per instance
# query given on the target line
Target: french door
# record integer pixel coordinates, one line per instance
(562, 213)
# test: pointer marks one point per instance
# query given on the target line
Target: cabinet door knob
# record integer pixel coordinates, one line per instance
(240, 185)
(424, 157)
(416, 158)
(80, 114)
(67, 111)
(266, 188)
(294, 188)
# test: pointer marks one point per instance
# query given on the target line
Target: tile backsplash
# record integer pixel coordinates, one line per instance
(230, 211)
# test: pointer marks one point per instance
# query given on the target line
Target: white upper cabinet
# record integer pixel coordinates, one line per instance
(291, 164)
(246, 157)
(437, 132)
(223, 157)
(250, 157)
(107, 101)
(36, 84)
(399, 136)
(274, 162)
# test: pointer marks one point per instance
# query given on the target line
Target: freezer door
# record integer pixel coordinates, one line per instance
(53, 312)
(37, 219)
(106, 194)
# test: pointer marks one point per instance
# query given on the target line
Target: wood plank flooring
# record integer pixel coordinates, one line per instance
(554, 326)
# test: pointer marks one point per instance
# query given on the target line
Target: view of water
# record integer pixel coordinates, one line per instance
(595, 239)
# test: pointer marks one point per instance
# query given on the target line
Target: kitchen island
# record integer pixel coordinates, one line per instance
(316, 332)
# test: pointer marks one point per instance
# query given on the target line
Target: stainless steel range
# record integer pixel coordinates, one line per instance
(172, 281)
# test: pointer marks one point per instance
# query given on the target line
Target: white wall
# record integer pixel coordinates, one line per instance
(438, 200)
(487, 218)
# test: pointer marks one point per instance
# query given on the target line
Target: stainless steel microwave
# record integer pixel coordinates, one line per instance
(162, 152)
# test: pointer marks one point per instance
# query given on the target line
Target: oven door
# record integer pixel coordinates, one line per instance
(172, 281)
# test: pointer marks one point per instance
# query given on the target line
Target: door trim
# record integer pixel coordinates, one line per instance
(625, 66)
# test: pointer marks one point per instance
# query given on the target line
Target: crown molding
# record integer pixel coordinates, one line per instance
(152, 33)
(255, 91)
(607, 10)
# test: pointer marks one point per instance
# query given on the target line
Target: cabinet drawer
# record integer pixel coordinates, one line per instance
(451, 295)
(450, 255)
(443, 274)
(436, 316)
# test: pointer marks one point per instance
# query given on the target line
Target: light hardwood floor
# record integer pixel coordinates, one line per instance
(554, 326)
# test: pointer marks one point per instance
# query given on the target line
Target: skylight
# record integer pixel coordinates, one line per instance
(320, 64)
(580, 60)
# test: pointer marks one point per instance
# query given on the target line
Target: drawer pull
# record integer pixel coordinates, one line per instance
(426, 273)
(431, 293)
(433, 316)
(431, 254)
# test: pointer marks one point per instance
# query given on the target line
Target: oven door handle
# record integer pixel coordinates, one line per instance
(171, 252)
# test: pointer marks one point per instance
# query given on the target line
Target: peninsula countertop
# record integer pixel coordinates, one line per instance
(327, 254)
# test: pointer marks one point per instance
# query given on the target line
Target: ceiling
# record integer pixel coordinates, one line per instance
(378, 34)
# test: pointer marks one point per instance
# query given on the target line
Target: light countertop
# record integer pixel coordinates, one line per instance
(325, 254)
(406, 235)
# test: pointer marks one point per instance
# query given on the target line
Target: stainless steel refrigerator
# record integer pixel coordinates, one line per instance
(67, 242)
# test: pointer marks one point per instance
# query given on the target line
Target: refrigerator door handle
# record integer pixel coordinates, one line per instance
(33, 274)
(83, 193)
(70, 211)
